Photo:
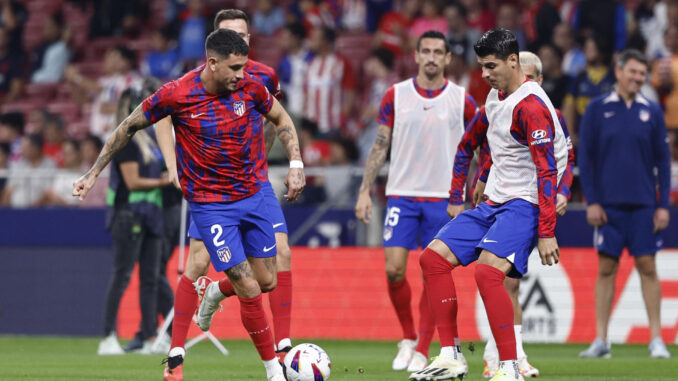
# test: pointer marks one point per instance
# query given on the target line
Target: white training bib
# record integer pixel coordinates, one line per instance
(514, 174)
(426, 133)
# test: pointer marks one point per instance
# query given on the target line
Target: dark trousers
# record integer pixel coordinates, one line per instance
(132, 243)
(172, 218)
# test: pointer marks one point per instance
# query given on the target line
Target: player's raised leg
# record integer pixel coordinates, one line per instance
(437, 262)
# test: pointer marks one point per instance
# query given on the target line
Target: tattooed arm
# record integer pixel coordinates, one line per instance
(120, 137)
(377, 157)
(287, 134)
(163, 133)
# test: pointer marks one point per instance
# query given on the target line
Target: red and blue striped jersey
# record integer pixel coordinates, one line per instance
(267, 77)
(216, 156)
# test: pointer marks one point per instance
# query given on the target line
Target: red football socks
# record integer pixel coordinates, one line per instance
(401, 297)
(427, 324)
(499, 309)
(185, 304)
(254, 320)
(442, 295)
(226, 287)
(280, 301)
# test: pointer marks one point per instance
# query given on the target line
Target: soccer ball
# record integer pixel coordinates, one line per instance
(307, 362)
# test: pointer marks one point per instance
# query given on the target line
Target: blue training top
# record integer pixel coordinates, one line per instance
(619, 149)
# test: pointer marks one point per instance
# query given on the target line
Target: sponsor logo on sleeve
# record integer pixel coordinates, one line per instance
(540, 137)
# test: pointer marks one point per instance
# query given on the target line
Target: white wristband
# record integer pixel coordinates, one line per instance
(296, 164)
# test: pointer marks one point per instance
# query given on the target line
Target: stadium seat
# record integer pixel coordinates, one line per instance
(41, 91)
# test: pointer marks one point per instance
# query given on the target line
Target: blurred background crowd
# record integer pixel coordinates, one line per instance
(64, 63)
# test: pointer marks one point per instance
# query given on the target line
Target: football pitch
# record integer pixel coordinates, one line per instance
(65, 358)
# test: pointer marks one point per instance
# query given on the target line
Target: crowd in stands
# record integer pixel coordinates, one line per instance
(64, 63)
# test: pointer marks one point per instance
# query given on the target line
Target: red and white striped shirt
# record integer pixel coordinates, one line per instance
(327, 79)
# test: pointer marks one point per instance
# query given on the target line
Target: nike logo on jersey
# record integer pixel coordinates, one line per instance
(267, 249)
(609, 114)
(280, 224)
(426, 108)
(197, 115)
(489, 241)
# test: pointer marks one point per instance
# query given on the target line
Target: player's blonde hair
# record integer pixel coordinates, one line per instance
(528, 58)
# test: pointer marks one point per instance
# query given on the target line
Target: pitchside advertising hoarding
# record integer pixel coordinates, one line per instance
(341, 294)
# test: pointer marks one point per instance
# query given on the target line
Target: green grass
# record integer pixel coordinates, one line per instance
(59, 358)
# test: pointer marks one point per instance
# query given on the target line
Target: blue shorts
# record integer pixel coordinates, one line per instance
(236, 230)
(407, 219)
(630, 227)
(272, 207)
(508, 231)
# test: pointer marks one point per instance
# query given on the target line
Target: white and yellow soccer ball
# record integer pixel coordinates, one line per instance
(307, 362)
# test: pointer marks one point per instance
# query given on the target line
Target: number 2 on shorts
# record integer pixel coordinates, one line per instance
(216, 229)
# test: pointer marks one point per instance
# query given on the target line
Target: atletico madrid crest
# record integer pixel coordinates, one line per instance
(644, 115)
(239, 108)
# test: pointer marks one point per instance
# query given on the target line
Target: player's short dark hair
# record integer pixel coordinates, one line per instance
(631, 54)
(498, 42)
(230, 14)
(384, 56)
(434, 34)
(36, 140)
(225, 42)
(296, 29)
(95, 140)
(14, 120)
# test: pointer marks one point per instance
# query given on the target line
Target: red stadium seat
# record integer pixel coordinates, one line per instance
(67, 109)
(41, 91)
(24, 105)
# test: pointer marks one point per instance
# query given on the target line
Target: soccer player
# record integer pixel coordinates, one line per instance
(213, 108)
(528, 156)
(280, 296)
(474, 137)
(422, 119)
(623, 140)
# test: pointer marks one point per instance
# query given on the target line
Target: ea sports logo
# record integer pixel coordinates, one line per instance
(547, 301)
(539, 134)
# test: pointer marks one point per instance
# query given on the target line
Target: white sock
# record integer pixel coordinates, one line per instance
(286, 342)
(518, 329)
(214, 294)
(510, 367)
(177, 351)
(450, 352)
(272, 367)
(491, 350)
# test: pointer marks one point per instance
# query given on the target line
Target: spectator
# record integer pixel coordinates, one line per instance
(379, 68)
(60, 192)
(353, 15)
(376, 9)
(4, 164)
(673, 145)
(162, 61)
(597, 79)
(268, 18)
(119, 74)
(49, 60)
(292, 67)
(603, 19)
(479, 18)
(545, 21)
(459, 36)
(393, 27)
(13, 16)
(665, 77)
(90, 147)
(29, 177)
(193, 32)
(11, 78)
(315, 152)
(574, 59)
(330, 86)
(457, 70)
(507, 18)
(431, 19)
(624, 170)
(652, 23)
(555, 82)
(118, 18)
(53, 133)
(11, 132)
(343, 151)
